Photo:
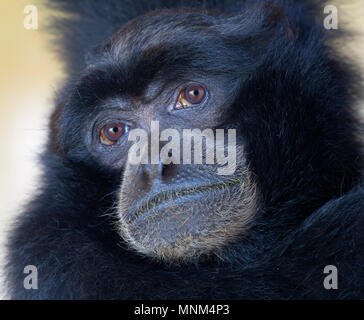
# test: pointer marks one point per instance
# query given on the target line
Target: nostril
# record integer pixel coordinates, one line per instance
(152, 172)
(164, 169)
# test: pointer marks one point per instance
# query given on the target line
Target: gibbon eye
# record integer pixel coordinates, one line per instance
(190, 96)
(112, 132)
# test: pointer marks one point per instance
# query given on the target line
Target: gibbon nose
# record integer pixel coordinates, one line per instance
(162, 172)
(153, 172)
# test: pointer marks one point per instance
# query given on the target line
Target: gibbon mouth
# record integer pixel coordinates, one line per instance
(152, 202)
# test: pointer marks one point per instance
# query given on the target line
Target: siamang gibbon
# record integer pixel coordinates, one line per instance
(103, 228)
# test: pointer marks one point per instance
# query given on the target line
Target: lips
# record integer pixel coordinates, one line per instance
(151, 202)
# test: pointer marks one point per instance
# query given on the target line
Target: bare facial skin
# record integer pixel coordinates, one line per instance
(181, 212)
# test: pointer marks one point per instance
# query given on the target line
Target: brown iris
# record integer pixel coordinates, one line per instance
(112, 132)
(190, 96)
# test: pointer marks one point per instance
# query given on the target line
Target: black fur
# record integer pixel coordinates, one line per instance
(295, 111)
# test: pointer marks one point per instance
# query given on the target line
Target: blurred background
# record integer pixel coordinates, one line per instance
(30, 73)
(29, 76)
